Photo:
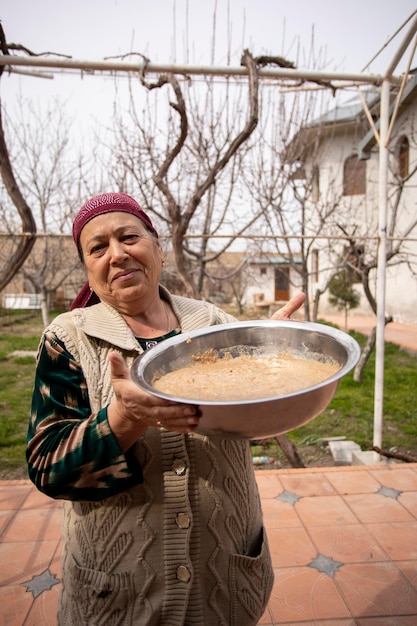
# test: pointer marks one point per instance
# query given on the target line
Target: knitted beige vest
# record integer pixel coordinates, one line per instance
(187, 546)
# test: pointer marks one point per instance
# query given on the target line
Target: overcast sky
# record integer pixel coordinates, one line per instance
(346, 35)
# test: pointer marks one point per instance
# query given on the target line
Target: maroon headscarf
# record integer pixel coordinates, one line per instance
(104, 203)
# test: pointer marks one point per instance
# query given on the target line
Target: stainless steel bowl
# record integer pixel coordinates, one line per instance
(260, 417)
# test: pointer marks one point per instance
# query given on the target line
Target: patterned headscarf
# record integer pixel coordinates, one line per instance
(104, 203)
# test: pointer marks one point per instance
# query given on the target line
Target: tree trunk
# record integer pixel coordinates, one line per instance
(44, 307)
(316, 305)
(366, 353)
(26, 243)
(289, 450)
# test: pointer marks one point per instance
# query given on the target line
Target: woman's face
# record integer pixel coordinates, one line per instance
(123, 260)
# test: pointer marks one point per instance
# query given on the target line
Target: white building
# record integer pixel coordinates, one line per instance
(338, 160)
(270, 281)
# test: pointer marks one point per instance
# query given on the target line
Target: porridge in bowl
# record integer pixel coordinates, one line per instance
(244, 377)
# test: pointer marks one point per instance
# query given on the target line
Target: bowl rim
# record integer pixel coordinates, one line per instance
(347, 341)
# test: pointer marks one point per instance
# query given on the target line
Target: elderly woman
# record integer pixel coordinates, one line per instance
(161, 525)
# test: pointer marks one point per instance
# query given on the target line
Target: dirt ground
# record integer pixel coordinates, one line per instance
(320, 456)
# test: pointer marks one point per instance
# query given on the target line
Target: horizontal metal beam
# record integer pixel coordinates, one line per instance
(190, 70)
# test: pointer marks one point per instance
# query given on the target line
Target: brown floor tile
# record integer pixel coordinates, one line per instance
(376, 589)
(344, 554)
(402, 477)
(316, 485)
(5, 519)
(353, 482)
(409, 569)
(347, 544)
(303, 594)
(22, 560)
(409, 501)
(279, 514)
(269, 485)
(44, 609)
(324, 510)
(38, 500)
(374, 507)
(15, 605)
(34, 524)
(13, 496)
(45, 606)
(399, 540)
(55, 565)
(290, 546)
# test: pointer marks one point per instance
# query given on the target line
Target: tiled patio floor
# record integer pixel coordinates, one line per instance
(343, 540)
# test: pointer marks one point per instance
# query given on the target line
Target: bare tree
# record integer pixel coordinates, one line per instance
(281, 183)
(185, 161)
(51, 177)
(24, 244)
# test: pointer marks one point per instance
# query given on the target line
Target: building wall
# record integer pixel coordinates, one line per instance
(360, 215)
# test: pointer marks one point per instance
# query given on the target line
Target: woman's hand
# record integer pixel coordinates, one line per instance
(132, 410)
(288, 309)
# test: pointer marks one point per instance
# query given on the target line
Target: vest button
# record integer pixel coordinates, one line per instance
(183, 574)
(179, 466)
(182, 520)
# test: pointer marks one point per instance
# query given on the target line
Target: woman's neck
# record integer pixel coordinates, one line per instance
(157, 321)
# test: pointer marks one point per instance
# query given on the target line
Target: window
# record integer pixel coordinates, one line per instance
(354, 176)
(263, 271)
(403, 157)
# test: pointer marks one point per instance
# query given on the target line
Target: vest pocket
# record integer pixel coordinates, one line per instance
(95, 597)
(251, 580)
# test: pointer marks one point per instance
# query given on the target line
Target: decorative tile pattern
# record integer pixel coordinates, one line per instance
(388, 492)
(43, 582)
(325, 564)
(290, 498)
(343, 543)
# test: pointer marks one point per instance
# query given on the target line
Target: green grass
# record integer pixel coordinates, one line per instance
(350, 414)
(16, 382)
(18, 331)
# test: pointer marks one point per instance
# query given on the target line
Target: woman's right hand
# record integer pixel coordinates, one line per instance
(132, 410)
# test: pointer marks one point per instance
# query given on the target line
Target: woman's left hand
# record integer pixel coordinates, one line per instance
(132, 410)
(288, 309)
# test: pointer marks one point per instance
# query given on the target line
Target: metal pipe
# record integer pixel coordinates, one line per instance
(155, 68)
(382, 261)
(401, 91)
(397, 58)
(382, 230)
(40, 235)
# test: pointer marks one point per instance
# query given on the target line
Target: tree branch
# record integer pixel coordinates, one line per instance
(26, 243)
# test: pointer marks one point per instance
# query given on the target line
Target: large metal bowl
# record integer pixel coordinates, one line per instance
(260, 417)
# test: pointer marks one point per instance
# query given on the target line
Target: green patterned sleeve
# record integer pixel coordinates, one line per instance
(72, 453)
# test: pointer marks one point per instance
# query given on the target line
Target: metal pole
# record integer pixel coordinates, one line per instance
(401, 50)
(188, 70)
(381, 268)
(382, 231)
